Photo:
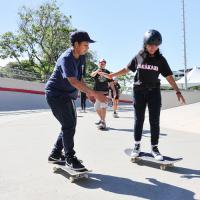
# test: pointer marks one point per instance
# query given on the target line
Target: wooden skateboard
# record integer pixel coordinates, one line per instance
(144, 156)
(73, 175)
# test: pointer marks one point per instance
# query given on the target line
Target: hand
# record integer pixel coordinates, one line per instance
(108, 76)
(180, 98)
(115, 95)
(101, 97)
(99, 71)
(91, 99)
(102, 73)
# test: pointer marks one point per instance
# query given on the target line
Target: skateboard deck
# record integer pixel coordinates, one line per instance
(166, 162)
(73, 175)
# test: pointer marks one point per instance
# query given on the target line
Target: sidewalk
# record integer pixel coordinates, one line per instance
(26, 141)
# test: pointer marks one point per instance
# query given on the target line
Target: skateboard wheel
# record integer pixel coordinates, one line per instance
(162, 167)
(71, 179)
(133, 160)
(55, 169)
(86, 176)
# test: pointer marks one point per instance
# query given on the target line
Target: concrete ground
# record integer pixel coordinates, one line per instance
(27, 138)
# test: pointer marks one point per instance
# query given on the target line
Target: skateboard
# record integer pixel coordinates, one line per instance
(164, 164)
(73, 175)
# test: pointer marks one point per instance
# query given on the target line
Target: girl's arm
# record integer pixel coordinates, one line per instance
(116, 74)
(172, 82)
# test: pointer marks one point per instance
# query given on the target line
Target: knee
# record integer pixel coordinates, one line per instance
(68, 127)
(154, 122)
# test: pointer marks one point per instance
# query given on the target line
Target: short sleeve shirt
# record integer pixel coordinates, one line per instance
(148, 69)
(67, 66)
(101, 82)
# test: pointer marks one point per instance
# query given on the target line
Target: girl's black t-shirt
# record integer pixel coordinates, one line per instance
(148, 69)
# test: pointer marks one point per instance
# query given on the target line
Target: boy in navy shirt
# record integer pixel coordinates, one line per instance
(61, 91)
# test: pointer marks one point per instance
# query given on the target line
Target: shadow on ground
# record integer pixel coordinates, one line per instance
(184, 172)
(154, 190)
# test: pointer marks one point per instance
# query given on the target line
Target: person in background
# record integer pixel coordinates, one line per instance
(116, 98)
(83, 101)
(102, 84)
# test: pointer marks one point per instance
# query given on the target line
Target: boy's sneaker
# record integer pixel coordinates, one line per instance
(156, 154)
(98, 123)
(102, 125)
(136, 151)
(62, 157)
(56, 158)
(74, 163)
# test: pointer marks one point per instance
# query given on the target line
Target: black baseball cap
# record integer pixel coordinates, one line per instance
(80, 36)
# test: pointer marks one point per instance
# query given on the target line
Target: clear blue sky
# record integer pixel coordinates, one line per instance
(118, 26)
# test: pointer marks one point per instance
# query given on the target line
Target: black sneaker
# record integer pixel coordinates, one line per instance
(98, 123)
(74, 164)
(62, 157)
(56, 158)
(115, 115)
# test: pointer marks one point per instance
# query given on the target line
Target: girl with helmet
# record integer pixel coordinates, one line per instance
(148, 64)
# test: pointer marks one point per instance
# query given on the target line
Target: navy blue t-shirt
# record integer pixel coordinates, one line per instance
(67, 66)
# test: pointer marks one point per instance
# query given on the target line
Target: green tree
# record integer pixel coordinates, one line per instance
(126, 80)
(11, 46)
(19, 71)
(91, 65)
(42, 35)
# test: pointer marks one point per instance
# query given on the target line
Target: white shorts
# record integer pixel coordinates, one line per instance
(98, 105)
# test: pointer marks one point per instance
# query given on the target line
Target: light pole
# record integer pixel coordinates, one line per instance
(184, 43)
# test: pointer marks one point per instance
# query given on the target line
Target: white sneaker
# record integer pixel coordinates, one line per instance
(136, 151)
(156, 154)
(98, 123)
(102, 125)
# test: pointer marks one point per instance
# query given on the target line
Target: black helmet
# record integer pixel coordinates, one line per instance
(152, 37)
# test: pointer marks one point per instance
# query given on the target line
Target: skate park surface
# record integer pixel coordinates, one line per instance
(28, 136)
